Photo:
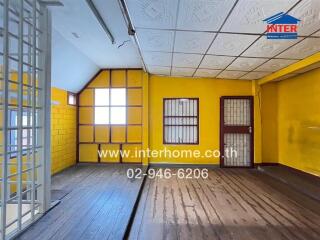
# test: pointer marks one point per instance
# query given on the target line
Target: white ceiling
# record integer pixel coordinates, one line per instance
(77, 30)
(223, 39)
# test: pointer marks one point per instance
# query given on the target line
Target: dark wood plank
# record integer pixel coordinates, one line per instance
(230, 204)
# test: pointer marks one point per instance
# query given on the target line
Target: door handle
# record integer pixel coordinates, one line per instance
(250, 129)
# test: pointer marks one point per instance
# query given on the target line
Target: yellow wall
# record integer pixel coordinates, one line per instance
(269, 123)
(291, 122)
(113, 137)
(209, 92)
(299, 122)
(63, 131)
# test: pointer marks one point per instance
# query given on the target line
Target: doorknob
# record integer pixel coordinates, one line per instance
(250, 129)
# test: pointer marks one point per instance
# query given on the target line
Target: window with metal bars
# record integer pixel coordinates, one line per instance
(181, 121)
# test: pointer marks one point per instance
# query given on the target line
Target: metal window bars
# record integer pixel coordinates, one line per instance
(181, 121)
(25, 91)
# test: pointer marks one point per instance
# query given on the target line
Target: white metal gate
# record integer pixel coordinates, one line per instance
(25, 113)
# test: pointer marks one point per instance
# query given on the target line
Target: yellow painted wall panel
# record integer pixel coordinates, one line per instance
(102, 80)
(269, 122)
(134, 134)
(86, 115)
(86, 133)
(88, 152)
(134, 78)
(114, 156)
(134, 115)
(299, 122)
(118, 78)
(86, 98)
(134, 97)
(118, 134)
(101, 133)
(133, 153)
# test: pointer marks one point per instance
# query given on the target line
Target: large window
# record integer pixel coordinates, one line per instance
(181, 121)
(110, 106)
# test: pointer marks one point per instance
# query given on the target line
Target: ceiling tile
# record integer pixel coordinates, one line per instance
(308, 12)
(185, 72)
(159, 14)
(216, 62)
(255, 75)
(157, 58)
(231, 74)
(317, 34)
(275, 64)
(303, 49)
(231, 44)
(155, 40)
(204, 15)
(159, 70)
(248, 15)
(206, 73)
(268, 48)
(246, 64)
(192, 42)
(186, 60)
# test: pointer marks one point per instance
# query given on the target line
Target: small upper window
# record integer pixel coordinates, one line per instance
(72, 99)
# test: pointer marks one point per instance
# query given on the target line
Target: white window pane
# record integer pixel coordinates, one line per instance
(101, 97)
(72, 99)
(118, 115)
(118, 96)
(101, 115)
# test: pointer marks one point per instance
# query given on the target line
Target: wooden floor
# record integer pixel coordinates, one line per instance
(231, 204)
(98, 205)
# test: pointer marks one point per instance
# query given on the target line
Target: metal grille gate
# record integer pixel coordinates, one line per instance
(24, 113)
(236, 131)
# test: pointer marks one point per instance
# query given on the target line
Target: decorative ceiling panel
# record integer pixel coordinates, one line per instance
(231, 74)
(274, 65)
(184, 72)
(248, 15)
(160, 14)
(231, 44)
(308, 12)
(268, 48)
(246, 64)
(204, 15)
(255, 75)
(216, 62)
(159, 70)
(206, 73)
(155, 40)
(192, 42)
(303, 49)
(157, 58)
(186, 60)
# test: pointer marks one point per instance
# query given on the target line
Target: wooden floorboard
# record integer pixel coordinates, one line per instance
(230, 204)
(98, 206)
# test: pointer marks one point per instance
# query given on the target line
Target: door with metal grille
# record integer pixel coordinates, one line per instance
(236, 131)
(24, 114)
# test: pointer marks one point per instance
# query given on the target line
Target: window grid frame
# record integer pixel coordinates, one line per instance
(164, 125)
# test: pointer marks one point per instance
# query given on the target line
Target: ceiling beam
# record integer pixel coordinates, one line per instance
(291, 69)
(100, 20)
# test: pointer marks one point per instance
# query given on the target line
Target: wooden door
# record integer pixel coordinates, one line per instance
(236, 131)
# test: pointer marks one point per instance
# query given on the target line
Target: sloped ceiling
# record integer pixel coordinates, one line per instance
(81, 47)
(223, 39)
